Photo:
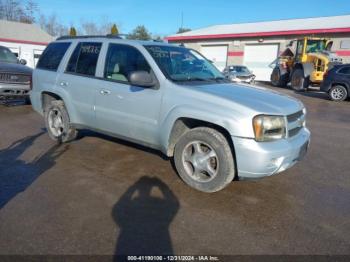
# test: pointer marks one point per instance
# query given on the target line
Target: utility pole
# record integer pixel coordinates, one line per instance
(182, 19)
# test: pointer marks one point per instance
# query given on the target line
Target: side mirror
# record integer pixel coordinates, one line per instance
(142, 78)
(23, 62)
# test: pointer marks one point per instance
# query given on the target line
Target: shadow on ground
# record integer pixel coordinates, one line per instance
(143, 214)
(16, 175)
(89, 133)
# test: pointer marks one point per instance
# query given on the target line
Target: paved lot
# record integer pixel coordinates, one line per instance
(99, 195)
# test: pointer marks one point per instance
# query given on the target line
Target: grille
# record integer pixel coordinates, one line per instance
(244, 77)
(295, 116)
(295, 123)
(294, 131)
(14, 78)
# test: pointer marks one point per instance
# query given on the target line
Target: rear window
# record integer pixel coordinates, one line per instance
(345, 70)
(52, 56)
(84, 59)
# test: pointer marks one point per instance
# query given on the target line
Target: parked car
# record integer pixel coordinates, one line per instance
(239, 74)
(15, 77)
(172, 99)
(337, 82)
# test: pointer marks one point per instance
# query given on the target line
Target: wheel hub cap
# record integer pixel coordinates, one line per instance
(200, 161)
(337, 93)
(56, 122)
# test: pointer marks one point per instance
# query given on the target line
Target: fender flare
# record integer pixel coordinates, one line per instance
(65, 98)
(230, 124)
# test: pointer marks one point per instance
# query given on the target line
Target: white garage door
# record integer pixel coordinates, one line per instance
(260, 59)
(217, 54)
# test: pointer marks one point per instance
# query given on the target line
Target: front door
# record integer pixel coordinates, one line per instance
(122, 109)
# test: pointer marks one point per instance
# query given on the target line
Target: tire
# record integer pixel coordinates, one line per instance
(57, 122)
(204, 160)
(338, 93)
(299, 82)
(277, 79)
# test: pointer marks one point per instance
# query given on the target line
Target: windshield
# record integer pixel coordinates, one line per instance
(7, 56)
(239, 69)
(314, 46)
(182, 64)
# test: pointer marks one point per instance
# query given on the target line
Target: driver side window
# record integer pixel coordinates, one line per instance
(121, 60)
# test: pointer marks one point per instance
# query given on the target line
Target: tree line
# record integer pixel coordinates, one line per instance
(28, 11)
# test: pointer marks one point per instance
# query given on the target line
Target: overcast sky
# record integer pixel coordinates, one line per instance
(164, 16)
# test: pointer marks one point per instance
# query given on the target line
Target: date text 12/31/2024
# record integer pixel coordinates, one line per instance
(173, 258)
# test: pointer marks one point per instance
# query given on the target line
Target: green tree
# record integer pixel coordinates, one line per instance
(140, 33)
(114, 30)
(72, 31)
(183, 30)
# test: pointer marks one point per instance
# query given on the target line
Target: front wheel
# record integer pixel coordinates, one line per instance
(277, 79)
(204, 160)
(338, 93)
(57, 122)
(299, 82)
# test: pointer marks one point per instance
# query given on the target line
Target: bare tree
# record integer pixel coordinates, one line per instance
(30, 10)
(90, 28)
(17, 10)
(52, 26)
(10, 10)
(93, 28)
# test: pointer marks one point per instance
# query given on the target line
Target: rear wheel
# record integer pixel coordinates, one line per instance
(277, 79)
(299, 81)
(338, 93)
(204, 160)
(57, 122)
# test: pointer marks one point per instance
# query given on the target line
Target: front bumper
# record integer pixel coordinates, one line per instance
(260, 159)
(243, 80)
(14, 90)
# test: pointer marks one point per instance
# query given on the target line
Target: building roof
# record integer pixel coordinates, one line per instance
(317, 25)
(23, 33)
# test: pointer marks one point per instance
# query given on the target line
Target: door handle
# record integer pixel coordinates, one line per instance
(105, 92)
(63, 83)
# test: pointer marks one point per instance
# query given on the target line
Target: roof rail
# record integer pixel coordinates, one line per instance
(65, 37)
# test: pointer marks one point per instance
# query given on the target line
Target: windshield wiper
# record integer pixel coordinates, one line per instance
(191, 79)
(218, 78)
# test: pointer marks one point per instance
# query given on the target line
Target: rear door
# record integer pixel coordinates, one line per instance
(45, 74)
(121, 108)
(79, 81)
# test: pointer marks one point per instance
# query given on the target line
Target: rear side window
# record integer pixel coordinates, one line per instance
(122, 60)
(345, 70)
(52, 56)
(84, 59)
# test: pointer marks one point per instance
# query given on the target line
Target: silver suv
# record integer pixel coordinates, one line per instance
(172, 99)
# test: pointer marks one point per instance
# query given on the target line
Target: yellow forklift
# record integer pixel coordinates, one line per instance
(305, 64)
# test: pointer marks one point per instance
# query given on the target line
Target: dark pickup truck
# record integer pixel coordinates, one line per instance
(15, 77)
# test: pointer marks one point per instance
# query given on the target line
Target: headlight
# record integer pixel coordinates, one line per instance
(267, 128)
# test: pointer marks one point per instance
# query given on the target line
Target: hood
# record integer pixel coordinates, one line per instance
(258, 99)
(15, 68)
